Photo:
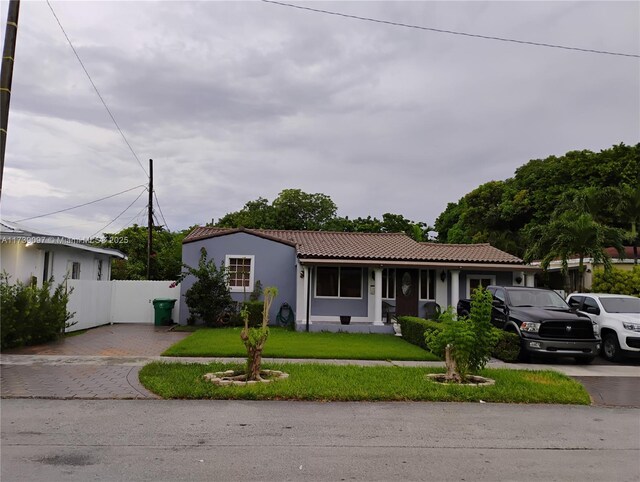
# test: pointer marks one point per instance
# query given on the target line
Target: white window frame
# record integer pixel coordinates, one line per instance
(71, 266)
(385, 289)
(252, 269)
(338, 297)
(435, 273)
(492, 277)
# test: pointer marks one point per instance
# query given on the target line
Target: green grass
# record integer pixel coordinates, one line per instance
(225, 342)
(75, 333)
(358, 383)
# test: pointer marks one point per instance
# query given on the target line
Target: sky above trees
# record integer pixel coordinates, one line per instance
(237, 101)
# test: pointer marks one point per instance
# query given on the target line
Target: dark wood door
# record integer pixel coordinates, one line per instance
(406, 292)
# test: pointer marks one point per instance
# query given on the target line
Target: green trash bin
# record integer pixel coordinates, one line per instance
(163, 308)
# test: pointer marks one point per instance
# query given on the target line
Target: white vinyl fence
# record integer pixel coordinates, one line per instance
(97, 303)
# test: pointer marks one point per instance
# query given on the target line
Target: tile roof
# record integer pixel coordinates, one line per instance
(368, 246)
(474, 253)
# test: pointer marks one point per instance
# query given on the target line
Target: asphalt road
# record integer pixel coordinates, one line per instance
(156, 440)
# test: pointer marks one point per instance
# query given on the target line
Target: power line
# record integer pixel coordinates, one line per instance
(160, 209)
(96, 89)
(80, 205)
(116, 218)
(135, 218)
(452, 32)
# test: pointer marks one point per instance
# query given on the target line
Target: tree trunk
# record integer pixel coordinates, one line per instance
(254, 362)
(452, 368)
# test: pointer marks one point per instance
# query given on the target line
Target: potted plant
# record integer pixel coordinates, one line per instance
(345, 319)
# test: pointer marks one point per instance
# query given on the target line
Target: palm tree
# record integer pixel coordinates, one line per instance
(570, 235)
(629, 211)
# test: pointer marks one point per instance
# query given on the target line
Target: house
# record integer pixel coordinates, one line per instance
(554, 277)
(326, 275)
(30, 256)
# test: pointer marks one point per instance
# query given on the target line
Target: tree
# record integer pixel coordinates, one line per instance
(466, 343)
(504, 212)
(571, 235)
(208, 298)
(258, 214)
(166, 259)
(298, 210)
(254, 339)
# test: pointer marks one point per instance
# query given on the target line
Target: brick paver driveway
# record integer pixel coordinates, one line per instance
(97, 364)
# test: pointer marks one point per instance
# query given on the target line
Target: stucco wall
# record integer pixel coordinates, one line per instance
(22, 262)
(275, 265)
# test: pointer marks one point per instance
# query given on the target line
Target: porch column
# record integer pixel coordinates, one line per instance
(529, 280)
(305, 294)
(377, 310)
(455, 287)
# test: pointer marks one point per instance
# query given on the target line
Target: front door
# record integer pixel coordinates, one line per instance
(406, 292)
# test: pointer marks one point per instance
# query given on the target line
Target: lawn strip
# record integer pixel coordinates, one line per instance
(358, 383)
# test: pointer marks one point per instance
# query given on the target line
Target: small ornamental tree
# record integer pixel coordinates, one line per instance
(208, 298)
(255, 338)
(466, 343)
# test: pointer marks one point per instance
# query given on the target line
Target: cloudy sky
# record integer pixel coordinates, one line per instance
(237, 100)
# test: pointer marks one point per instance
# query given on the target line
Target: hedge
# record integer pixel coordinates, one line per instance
(31, 315)
(413, 330)
(617, 281)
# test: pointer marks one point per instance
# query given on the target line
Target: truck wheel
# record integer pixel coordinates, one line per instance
(610, 347)
(584, 360)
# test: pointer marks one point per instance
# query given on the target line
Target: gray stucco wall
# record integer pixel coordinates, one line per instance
(275, 265)
(341, 306)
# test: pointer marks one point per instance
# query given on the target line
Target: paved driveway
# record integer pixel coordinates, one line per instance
(97, 364)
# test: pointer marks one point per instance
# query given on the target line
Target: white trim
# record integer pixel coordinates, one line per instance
(354, 319)
(492, 277)
(252, 270)
(435, 272)
(315, 285)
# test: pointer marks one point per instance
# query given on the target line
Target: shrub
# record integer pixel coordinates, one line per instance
(617, 281)
(32, 315)
(414, 328)
(254, 312)
(469, 340)
(507, 347)
(209, 297)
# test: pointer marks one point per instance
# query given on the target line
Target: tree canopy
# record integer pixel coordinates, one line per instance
(297, 210)
(509, 213)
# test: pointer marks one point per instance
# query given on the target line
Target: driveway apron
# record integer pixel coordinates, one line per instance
(93, 365)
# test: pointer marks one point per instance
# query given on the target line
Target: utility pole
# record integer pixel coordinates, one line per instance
(6, 76)
(150, 221)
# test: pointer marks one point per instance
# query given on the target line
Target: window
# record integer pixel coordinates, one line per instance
(338, 282)
(99, 269)
(428, 284)
(241, 272)
(75, 270)
(48, 262)
(499, 295)
(473, 281)
(389, 284)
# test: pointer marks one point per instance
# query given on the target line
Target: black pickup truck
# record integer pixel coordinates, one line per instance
(543, 320)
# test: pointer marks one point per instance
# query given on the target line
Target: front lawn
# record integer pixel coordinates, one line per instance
(225, 342)
(359, 383)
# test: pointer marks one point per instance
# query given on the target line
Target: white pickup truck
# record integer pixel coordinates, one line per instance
(617, 318)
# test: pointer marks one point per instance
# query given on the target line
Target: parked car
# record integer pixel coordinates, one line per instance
(543, 320)
(617, 318)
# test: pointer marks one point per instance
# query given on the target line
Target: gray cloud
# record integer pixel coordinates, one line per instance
(243, 99)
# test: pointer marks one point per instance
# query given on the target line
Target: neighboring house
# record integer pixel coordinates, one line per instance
(29, 256)
(555, 279)
(331, 274)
